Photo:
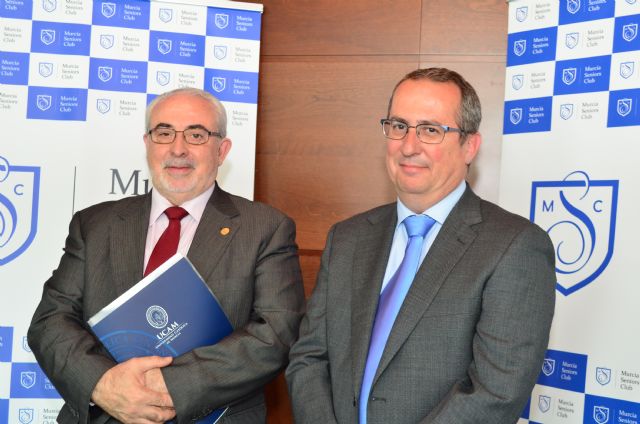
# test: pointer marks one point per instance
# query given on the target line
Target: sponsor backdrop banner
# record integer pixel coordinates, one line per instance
(75, 78)
(569, 163)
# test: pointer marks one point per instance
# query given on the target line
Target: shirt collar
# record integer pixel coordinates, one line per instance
(440, 211)
(195, 206)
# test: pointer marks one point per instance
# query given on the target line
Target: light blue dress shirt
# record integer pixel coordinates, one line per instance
(440, 211)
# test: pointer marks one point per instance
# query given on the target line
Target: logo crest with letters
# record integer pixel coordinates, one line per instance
(25, 415)
(566, 111)
(218, 83)
(624, 106)
(569, 75)
(517, 81)
(108, 9)
(601, 414)
(603, 376)
(103, 105)
(165, 14)
(19, 194)
(48, 36)
(27, 379)
(107, 40)
(519, 47)
(45, 69)
(522, 13)
(221, 20)
(548, 366)
(220, 52)
(544, 403)
(571, 40)
(157, 317)
(105, 73)
(626, 69)
(629, 32)
(49, 5)
(579, 214)
(164, 45)
(573, 6)
(515, 115)
(163, 77)
(43, 102)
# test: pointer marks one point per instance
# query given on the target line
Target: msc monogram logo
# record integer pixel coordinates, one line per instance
(105, 73)
(603, 376)
(515, 115)
(519, 47)
(544, 403)
(19, 193)
(626, 69)
(569, 75)
(221, 20)
(164, 46)
(43, 102)
(108, 9)
(579, 215)
(48, 36)
(45, 69)
(107, 40)
(566, 111)
(629, 32)
(522, 13)
(157, 317)
(601, 414)
(165, 15)
(103, 105)
(624, 106)
(49, 5)
(163, 77)
(572, 39)
(25, 415)
(517, 81)
(218, 83)
(573, 6)
(27, 379)
(219, 52)
(548, 366)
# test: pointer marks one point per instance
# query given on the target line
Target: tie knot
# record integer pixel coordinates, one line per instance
(418, 225)
(175, 213)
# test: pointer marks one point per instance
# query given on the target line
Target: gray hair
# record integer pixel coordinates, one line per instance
(218, 107)
(469, 114)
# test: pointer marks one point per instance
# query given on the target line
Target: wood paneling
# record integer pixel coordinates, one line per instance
(327, 70)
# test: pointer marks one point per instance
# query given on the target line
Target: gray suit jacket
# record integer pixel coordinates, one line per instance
(468, 342)
(253, 271)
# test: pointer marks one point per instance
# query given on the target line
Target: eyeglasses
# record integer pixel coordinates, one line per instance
(427, 133)
(166, 135)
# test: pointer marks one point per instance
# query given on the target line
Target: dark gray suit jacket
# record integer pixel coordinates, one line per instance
(253, 271)
(468, 342)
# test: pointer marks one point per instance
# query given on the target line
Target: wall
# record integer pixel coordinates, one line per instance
(327, 70)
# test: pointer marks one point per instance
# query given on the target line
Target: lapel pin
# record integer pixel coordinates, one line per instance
(224, 231)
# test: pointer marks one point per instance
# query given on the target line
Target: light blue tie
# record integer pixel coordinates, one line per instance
(390, 302)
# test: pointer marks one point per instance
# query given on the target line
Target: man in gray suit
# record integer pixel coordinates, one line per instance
(244, 250)
(468, 339)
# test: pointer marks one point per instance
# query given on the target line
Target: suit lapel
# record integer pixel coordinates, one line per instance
(219, 223)
(370, 261)
(127, 242)
(454, 238)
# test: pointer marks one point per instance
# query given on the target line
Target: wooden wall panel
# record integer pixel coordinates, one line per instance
(327, 69)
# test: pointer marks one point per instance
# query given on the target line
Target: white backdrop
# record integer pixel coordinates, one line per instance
(568, 163)
(75, 78)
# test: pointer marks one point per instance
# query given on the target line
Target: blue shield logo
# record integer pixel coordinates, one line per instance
(19, 194)
(548, 366)
(629, 32)
(221, 20)
(515, 115)
(45, 69)
(165, 15)
(566, 111)
(103, 105)
(601, 414)
(603, 376)
(544, 403)
(48, 36)
(49, 5)
(220, 52)
(164, 46)
(27, 379)
(522, 13)
(626, 69)
(569, 75)
(108, 9)
(624, 106)
(571, 40)
(517, 81)
(163, 77)
(25, 415)
(43, 102)
(519, 47)
(579, 214)
(107, 40)
(573, 6)
(105, 73)
(218, 83)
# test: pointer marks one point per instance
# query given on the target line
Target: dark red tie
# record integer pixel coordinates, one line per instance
(167, 244)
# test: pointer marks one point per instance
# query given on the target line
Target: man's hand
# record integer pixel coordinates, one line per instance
(134, 391)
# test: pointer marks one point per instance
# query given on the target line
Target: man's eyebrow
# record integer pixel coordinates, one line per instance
(419, 122)
(189, 127)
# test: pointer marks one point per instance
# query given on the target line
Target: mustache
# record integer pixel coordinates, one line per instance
(178, 163)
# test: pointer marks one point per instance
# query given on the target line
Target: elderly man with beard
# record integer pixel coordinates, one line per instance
(244, 250)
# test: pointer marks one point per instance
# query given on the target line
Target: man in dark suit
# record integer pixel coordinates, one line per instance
(244, 250)
(467, 338)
